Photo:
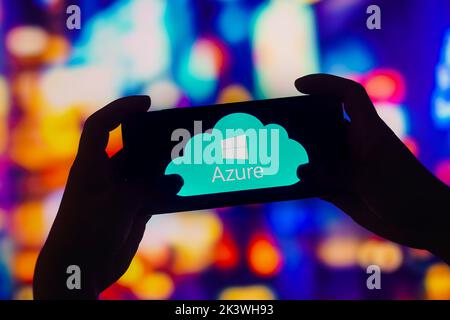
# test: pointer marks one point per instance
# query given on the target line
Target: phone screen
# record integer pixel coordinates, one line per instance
(236, 153)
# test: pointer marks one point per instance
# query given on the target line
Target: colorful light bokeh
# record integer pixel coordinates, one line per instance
(188, 53)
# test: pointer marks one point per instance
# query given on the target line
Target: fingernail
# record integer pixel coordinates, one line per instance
(299, 82)
(144, 100)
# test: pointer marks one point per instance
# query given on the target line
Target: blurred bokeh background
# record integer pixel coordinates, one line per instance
(186, 53)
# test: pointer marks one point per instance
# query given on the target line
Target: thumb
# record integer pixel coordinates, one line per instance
(357, 103)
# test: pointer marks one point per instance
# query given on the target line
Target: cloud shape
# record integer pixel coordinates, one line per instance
(239, 153)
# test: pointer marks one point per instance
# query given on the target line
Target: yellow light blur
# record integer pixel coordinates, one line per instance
(156, 285)
(24, 87)
(338, 251)
(24, 293)
(255, 292)
(4, 106)
(194, 251)
(437, 282)
(39, 143)
(134, 273)
(26, 41)
(23, 265)
(28, 224)
(188, 259)
(191, 237)
(234, 93)
(387, 255)
(264, 258)
(57, 50)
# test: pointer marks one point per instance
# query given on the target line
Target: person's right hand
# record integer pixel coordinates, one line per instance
(386, 189)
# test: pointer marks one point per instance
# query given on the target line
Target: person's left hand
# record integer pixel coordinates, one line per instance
(99, 224)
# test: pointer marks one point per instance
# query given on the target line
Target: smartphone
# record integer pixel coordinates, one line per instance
(236, 153)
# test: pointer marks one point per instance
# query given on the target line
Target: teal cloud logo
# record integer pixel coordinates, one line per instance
(239, 153)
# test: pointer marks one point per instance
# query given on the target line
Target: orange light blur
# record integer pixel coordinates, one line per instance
(42, 142)
(57, 50)
(263, 257)
(226, 253)
(23, 265)
(55, 177)
(385, 85)
(115, 143)
(234, 93)
(28, 224)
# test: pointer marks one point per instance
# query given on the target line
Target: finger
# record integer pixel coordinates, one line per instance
(124, 203)
(172, 184)
(356, 101)
(356, 209)
(95, 135)
(135, 236)
(129, 248)
(122, 259)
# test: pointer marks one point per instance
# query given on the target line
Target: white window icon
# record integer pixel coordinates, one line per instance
(235, 147)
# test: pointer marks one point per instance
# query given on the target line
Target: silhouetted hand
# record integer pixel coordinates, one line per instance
(99, 224)
(385, 188)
